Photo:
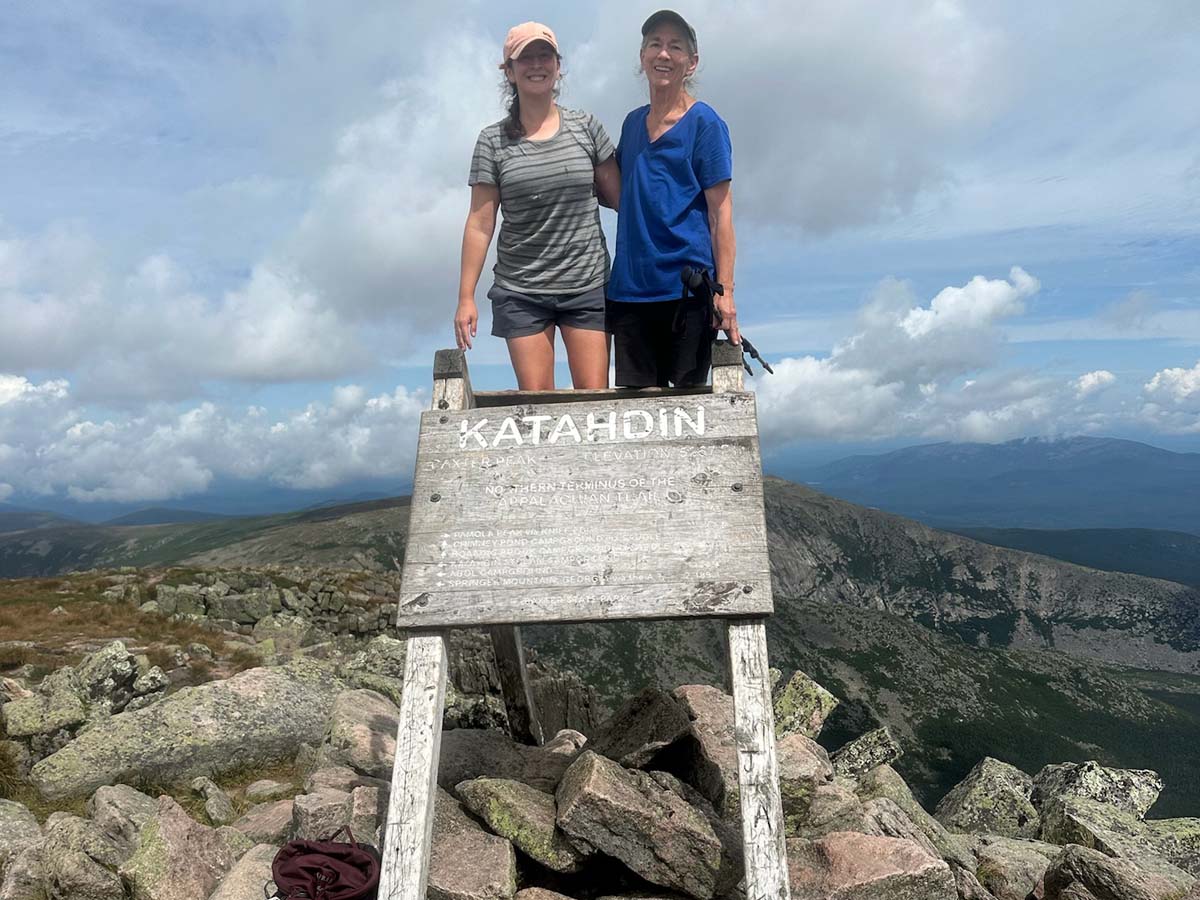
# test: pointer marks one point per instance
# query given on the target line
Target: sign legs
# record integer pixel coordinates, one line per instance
(758, 771)
(409, 831)
(514, 684)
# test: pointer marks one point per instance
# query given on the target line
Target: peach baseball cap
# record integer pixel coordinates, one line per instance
(521, 36)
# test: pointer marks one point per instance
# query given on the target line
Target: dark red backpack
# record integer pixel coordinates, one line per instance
(326, 870)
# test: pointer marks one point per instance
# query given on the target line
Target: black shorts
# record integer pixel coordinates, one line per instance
(515, 314)
(648, 350)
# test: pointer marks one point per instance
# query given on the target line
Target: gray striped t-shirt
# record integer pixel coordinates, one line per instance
(550, 236)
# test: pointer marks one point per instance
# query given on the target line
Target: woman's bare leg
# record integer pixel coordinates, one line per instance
(587, 355)
(533, 360)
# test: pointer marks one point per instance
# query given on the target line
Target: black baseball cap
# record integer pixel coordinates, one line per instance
(672, 17)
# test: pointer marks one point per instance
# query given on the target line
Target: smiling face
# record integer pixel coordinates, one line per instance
(667, 56)
(535, 71)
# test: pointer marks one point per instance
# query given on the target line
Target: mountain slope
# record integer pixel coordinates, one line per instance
(1079, 482)
(1171, 555)
(16, 518)
(822, 549)
(834, 552)
(325, 536)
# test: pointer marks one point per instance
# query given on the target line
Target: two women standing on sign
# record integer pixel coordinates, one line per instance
(545, 166)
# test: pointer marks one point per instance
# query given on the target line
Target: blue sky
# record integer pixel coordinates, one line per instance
(229, 232)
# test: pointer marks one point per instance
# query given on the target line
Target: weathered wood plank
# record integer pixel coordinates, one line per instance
(684, 551)
(658, 521)
(763, 837)
(409, 832)
(451, 381)
(546, 491)
(758, 771)
(727, 372)
(681, 549)
(523, 719)
(699, 418)
(450, 363)
(520, 604)
(452, 391)
(484, 399)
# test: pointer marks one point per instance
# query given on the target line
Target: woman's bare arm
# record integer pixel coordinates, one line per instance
(720, 226)
(608, 183)
(477, 237)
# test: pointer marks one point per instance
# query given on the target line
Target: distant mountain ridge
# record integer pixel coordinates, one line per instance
(1170, 555)
(1079, 482)
(821, 549)
(18, 518)
(161, 515)
(313, 537)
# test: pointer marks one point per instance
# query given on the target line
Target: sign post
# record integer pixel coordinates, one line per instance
(583, 506)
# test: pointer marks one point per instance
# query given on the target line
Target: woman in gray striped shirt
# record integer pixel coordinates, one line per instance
(542, 166)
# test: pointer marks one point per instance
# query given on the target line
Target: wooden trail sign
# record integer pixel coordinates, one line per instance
(633, 508)
(583, 506)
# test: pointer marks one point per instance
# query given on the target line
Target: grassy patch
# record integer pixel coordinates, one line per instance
(27, 613)
(10, 778)
(244, 658)
(27, 796)
(233, 783)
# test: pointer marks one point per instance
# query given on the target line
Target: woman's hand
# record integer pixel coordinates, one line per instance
(725, 315)
(466, 320)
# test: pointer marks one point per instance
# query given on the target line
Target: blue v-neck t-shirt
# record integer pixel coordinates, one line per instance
(663, 222)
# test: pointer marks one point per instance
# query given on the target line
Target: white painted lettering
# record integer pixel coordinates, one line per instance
(696, 424)
(508, 432)
(566, 425)
(473, 431)
(535, 427)
(593, 426)
(647, 422)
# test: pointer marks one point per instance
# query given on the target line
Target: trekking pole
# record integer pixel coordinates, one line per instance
(697, 280)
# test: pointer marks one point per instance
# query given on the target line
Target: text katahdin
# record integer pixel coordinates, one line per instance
(631, 425)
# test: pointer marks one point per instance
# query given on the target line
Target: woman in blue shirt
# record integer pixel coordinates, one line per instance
(676, 210)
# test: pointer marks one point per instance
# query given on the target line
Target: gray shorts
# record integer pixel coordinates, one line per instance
(519, 315)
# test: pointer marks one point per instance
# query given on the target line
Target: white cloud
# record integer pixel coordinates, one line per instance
(53, 447)
(1093, 382)
(1171, 401)
(272, 193)
(382, 236)
(1180, 386)
(841, 112)
(18, 388)
(905, 372)
(151, 335)
(955, 333)
(976, 305)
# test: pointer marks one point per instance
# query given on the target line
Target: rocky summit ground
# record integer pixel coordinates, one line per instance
(129, 787)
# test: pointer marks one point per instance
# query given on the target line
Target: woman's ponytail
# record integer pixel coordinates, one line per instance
(513, 128)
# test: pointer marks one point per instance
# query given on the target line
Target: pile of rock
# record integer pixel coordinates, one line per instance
(1020, 823)
(74, 698)
(237, 599)
(647, 807)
